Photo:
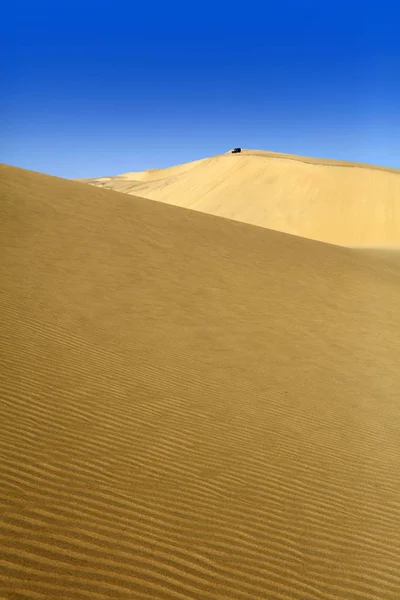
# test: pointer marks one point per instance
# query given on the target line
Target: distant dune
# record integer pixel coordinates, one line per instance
(193, 407)
(332, 201)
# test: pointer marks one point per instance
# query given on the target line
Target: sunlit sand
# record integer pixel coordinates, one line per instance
(331, 201)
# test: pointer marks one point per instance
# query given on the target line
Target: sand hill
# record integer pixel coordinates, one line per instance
(192, 407)
(331, 201)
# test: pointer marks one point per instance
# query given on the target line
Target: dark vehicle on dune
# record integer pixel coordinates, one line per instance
(236, 150)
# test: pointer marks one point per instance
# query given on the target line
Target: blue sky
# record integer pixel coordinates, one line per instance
(90, 89)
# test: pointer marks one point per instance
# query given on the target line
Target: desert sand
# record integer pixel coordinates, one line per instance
(194, 408)
(331, 201)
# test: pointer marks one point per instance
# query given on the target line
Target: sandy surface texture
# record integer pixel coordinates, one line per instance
(331, 201)
(193, 408)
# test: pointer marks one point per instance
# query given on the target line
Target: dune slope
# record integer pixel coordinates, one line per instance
(191, 407)
(326, 200)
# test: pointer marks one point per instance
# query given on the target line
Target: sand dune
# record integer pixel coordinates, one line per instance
(331, 201)
(191, 407)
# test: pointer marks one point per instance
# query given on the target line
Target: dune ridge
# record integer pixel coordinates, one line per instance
(191, 407)
(331, 201)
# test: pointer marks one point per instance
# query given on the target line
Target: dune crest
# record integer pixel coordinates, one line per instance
(191, 407)
(331, 201)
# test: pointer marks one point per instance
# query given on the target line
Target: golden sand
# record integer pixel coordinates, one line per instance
(331, 201)
(191, 408)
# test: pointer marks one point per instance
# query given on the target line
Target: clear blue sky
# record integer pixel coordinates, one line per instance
(89, 89)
